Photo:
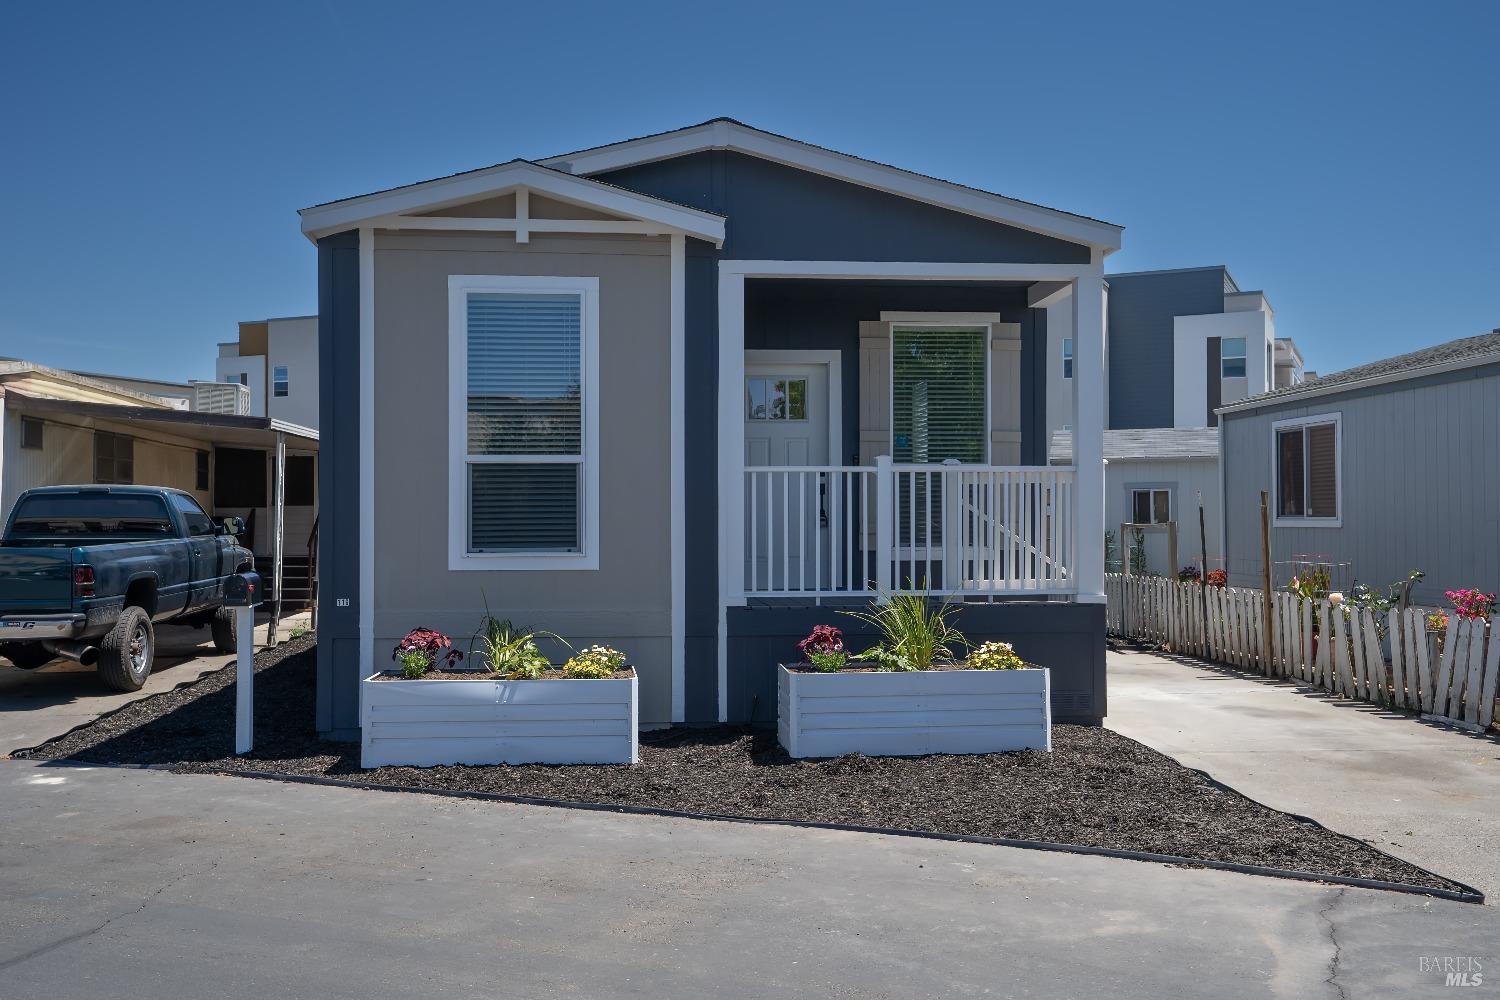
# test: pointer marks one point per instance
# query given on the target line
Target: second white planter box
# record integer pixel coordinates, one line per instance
(485, 721)
(907, 713)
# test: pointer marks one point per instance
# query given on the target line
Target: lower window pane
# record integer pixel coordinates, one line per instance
(524, 508)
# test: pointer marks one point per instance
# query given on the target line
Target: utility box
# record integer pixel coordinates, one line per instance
(244, 590)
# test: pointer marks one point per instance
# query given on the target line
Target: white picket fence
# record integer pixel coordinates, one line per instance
(1328, 645)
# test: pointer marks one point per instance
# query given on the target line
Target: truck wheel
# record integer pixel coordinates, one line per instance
(225, 639)
(26, 655)
(126, 652)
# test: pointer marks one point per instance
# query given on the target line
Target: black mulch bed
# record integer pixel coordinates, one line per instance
(1096, 788)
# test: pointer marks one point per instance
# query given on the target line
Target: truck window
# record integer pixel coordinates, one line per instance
(90, 516)
(193, 519)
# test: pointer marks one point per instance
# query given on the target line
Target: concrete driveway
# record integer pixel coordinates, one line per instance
(1423, 792)
(119, 883)
(36, 705)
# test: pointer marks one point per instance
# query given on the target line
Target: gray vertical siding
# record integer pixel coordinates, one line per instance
(337, 711)
(1419, 482)
(1141, 310)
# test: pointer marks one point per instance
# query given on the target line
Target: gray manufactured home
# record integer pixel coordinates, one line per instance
(692, 393)
(1374, 471)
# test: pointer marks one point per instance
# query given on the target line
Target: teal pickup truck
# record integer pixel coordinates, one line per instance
(87, 571)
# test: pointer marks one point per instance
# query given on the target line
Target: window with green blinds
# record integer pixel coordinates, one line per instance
(938, 394)
(525, 422)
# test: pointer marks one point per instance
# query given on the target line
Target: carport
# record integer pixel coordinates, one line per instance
(148, 445)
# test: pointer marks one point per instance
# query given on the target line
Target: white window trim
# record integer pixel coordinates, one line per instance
(1292, 521)
(460, 286)
(988, 329)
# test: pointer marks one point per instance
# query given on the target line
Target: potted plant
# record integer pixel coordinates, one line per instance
(910, 694)
(511, 705)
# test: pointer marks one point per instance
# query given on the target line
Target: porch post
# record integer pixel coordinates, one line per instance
(731, 463)
(1089, 378)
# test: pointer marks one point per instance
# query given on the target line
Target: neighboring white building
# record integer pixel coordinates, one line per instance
(277, 360)
(1220, 358)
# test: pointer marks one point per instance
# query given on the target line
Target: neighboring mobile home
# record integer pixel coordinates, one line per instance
(690, 394)
(1375, 471)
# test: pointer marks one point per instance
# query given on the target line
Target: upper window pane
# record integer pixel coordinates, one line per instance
(937, 380)
(525, 374)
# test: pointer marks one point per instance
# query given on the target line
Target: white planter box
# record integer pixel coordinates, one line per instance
(426, 722)
(907, 713)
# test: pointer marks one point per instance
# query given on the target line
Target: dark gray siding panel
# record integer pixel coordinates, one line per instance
(1068, 638)
(1141, 310)
(1034, 387)
(337, 711)
(1419, 484)
(701, 510)
(1215, 378)
(778, 212)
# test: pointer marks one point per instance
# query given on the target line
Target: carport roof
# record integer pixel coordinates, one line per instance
(210, 428)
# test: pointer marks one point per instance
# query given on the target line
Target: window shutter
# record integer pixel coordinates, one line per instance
(1322, 471)
(938, 392)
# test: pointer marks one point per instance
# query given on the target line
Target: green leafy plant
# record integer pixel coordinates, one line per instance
(414, 664)
(1138, 552)
(881, 658)
(594, 662)
(1363, 597)
(914, 630)
(995, 656)
(298, 631)
(827, 661)
(508, 650)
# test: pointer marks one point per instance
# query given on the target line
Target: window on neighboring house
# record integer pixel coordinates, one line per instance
(1068, 357)
(114, 458)
(280, 382)
(243, 378)
(527, 492)
(202, 470)
(31, 433)
(1307, 468)
(1151, 506)
(1232, 357)
(937, 391)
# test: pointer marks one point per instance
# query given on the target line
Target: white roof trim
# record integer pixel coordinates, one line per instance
(842, 166)
(338, 216)
(1314, 390)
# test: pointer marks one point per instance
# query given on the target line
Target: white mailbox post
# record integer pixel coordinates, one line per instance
(243, 592)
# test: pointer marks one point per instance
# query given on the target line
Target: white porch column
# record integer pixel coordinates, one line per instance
(1089, 417)
(731, 463)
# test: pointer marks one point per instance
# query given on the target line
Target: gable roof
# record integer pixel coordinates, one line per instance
(1462, 353)
(472, 185)
(729, 134)
(1144, 443)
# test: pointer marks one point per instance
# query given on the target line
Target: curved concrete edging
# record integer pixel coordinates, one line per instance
(1466, 894)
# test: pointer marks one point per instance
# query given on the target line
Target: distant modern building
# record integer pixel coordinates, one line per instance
(277, 360)
(1180, 344)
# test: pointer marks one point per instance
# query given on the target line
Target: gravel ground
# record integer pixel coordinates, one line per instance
(1095, 789)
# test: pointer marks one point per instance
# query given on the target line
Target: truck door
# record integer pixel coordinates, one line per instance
(205, 575)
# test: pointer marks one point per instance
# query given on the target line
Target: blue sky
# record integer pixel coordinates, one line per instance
(154, 155)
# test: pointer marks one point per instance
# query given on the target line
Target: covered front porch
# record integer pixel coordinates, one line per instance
(883, 430)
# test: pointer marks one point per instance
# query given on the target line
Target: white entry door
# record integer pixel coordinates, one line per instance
(787, 423)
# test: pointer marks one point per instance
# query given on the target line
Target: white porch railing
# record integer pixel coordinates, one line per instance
(813, 531)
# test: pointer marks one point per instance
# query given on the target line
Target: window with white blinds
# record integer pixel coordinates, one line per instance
(938, 394)
(528, 347)
(1306, 453)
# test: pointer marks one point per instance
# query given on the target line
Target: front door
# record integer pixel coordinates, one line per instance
(787, 423)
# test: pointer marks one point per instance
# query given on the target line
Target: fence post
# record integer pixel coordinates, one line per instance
(885, 518)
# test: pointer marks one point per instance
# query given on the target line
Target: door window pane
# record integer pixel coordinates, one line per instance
(755, 399)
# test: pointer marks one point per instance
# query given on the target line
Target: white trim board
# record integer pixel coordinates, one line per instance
(834, 361)
(445, 192)
(460, 287)
(366, 614)
(731, 135)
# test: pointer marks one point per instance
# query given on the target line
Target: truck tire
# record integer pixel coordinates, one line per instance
(225, 639)
(26, 655)
(127, 651)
